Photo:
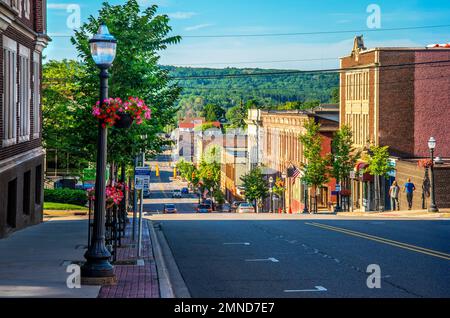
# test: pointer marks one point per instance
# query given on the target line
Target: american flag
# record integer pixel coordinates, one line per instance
(296, 172)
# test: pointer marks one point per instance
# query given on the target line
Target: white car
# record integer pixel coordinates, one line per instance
(176, 194)
(246, 208)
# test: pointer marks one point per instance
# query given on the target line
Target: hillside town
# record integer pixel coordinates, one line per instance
(384, 104)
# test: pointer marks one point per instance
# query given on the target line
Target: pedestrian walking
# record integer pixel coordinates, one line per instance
(409, 189)
(393, 193)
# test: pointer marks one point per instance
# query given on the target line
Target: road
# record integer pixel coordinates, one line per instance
(244, 256)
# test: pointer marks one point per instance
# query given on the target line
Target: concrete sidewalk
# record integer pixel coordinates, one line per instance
(33, 263)
(32, 260)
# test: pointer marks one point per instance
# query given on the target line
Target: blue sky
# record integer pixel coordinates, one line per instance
(218, 17)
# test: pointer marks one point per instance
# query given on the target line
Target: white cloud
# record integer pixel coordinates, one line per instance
(198, 27)
(181, 15)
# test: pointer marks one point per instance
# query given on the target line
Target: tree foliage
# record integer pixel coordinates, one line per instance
(316, 167)
(141, 36)
(213, 112)
(378, 163)
(267, 91)
(255, 186)
(344, 155)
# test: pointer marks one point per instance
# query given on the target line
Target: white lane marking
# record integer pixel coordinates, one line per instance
(318, 289)
(245, 243)
(270, 259)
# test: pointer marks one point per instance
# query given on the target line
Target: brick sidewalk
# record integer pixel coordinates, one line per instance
(134, 281)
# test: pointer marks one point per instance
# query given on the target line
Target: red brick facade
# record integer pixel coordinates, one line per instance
(22, 22)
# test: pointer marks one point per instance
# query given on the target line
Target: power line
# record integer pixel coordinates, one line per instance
(296, 33)
(297, 72)
(317, 32)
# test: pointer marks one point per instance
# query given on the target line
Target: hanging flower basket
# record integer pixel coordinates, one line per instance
(124, 121)
(115, 112)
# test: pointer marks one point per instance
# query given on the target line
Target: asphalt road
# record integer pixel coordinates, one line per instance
(312, 257)
(301, 256)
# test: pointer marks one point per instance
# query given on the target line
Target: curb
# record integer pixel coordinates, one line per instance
(171, 283)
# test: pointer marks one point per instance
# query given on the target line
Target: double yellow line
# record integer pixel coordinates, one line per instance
(405, 246)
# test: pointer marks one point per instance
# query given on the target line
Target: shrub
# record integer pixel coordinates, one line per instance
(69, 196)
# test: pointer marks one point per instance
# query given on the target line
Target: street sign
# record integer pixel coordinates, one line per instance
(141, 177)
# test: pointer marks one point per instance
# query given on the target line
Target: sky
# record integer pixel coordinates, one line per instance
(255, 17)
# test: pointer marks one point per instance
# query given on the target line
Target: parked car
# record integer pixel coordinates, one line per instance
(185, 191)
(235, 205)
(169, 208)
(226, 207)
(204, 208)
(176, 193)
(246, 208)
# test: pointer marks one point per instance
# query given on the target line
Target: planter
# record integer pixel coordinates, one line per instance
(124, 122)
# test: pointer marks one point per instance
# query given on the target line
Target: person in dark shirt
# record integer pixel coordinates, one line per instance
(409, 189)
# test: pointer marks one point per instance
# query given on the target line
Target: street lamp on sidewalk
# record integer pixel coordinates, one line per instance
(103, 50)
(284, 177)
(271, 194)
(432, 146)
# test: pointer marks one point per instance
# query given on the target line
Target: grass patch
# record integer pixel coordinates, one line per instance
(63, 206)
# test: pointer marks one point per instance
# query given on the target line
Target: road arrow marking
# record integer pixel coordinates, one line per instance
(270, 259)
(246, 244)
(318, 289)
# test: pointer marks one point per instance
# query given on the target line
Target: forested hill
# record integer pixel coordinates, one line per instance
(267, 90)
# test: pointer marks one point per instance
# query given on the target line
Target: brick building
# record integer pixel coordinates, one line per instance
(396, 97)
(234, 164)
(23, 38)
(283, 149)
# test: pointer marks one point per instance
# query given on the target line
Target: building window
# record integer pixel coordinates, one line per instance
(26, 198)
(36, 96)
(38, 185)
(12, 203)
(26, 8)
(9, 92)
(24, 97)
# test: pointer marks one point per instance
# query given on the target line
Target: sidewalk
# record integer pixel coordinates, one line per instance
(134, 281)
(422, 214)
(33, 263)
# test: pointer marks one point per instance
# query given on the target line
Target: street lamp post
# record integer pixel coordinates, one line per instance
(284, 177)
(305, 193)
(271, 194)
(432, 145)
(103, 50)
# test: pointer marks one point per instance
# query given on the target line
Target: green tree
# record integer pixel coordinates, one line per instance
(379, 166)
(135, 72)
(255, 186)
(344, 156)
(59, 102)
(335, 97)
(213, 112)
(316, 167)
(237, 115)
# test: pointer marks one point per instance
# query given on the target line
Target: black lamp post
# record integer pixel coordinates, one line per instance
(284, 177)
(432, 146)
(305, 193)
(103, 50)
(271, 194)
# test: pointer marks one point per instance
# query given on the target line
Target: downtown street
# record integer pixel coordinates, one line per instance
(227, 255)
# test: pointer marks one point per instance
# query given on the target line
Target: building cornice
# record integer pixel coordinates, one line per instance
(10, 163)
